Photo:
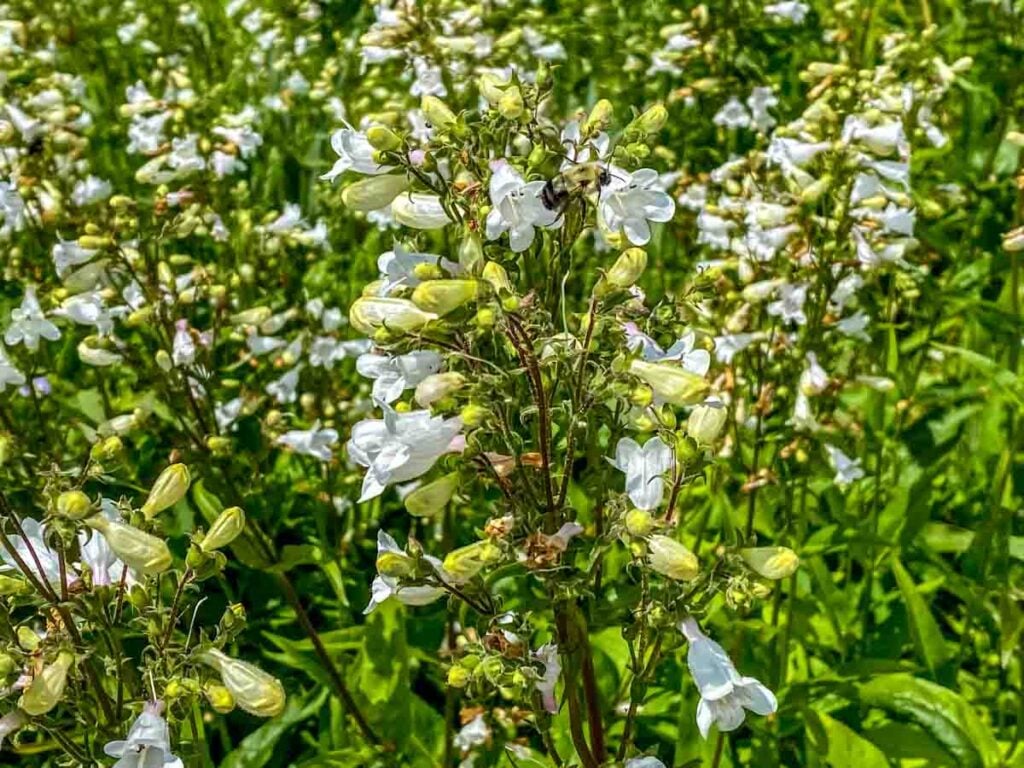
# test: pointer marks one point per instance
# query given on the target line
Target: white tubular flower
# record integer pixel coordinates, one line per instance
(67, 254)
(399, 447)
(814, 379)
(9, 373)
(354, 153)
(548, 656)
(790, 305)
(386, 586)
(847, 470)
(644, 468)
(517, 207)
(724, 695)
(696, 361)
(34, 541)
(419, 211)
(313, 442)
(106, 567)
(392, 375)
(398, 267)
(882, 139)
(285, 389)
(732, 115)
(790, 10)
(148, 744)
(631, 200)
(29, 323)
(644, 762)
(11, 722)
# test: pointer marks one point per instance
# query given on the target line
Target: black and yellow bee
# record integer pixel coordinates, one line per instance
(574, 181)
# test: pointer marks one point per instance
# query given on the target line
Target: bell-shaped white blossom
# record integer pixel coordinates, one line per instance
(9, 373)
(548, 656)
(384, 586)
(630, 200)
(644, 469)
(399, 447)
(790, 10)
(148, 744)
(354, 153)
(516, 207)
(33, 550)
(696, 361)
(847, 470)
(393, 374)
(724, 695)
(398, 267)
(313, 442)
(29, 323)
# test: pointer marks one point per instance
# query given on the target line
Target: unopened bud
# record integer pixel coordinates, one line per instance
(670, 558)
(220, 697)
(382, 138)
(639, 522)
(225, 529)
(47, 688)
(167, 491)
(771, 562)
(438, 386)
(430, 499)
(625, 271)
(74, 505)
(464, 563)
(706, 422)
(510, 105)
(437, 112)
(374, 193)
(254, 690)
(670, 382)
(600, 117)
(444, 296)
(140, 551)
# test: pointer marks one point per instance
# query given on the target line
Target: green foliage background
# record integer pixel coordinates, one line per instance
(897, 642)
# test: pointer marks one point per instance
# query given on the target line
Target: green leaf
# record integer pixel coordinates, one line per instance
(383, 671)
(945, 715)
(840, 746)
(257, 748)
(928, 640)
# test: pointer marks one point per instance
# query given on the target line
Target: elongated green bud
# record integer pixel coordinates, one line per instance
(47, 688)
(771, 562)
(140, 551)
(496, 275)
(651, 121)
(430, 499)
(383, 138)
(671, 382)
(625, 271)
(167, 491)
(444, 296)
(374, 193)
(464, 563)
(369, 314)
(437, 112)
(706, 422)
(670, 558)
(510, 105)
(600, 117)
(254, 690)
(74, 505)
(225, 529)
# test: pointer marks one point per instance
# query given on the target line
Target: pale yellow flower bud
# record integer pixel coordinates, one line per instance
(220, 697)
(625, 271)
(496, 275)
(47, 688)
(639, 522)
(510, 105)
(771, 562)
(444, 296)
(167, 491)
(438, 386)
(374, 193)
(225, 529)
(464, 563)
(140, 551)
(73, 505)
(671, 382)
(428, 500)
(706, 422)
(254, 690)
(383, 138)
(670, 558)
(369, 314)
(600, 117)
(437, 112)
